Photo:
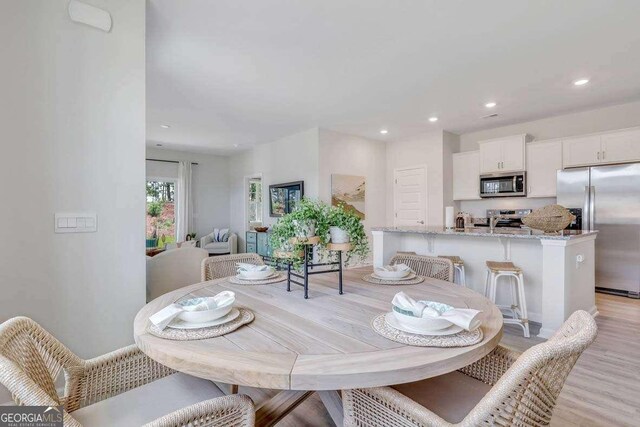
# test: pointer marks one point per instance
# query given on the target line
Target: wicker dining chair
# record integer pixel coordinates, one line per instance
(522, 388)
(31, 360)
(218, 267)
(427, 266)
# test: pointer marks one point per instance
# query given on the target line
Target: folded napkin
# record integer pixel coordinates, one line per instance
(465, 318)
(242, 266)
(163, 317)
(397, 267)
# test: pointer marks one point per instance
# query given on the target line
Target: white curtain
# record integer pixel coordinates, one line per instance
(184, 205)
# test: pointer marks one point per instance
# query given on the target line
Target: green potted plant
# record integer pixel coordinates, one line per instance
(347, 227)
(308, 219)
(154, 210)
(289, 232)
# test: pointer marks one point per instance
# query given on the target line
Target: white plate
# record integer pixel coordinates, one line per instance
(181, 324)
(393, 322)
(246, 279)
(409, 277)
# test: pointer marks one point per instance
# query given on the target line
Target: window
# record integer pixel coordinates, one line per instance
(255, 201)
(161, 218)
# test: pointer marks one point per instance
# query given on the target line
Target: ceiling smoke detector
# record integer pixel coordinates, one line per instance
(490, 116)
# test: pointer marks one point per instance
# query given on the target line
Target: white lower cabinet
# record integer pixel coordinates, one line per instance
(466, 175)
(544, 159)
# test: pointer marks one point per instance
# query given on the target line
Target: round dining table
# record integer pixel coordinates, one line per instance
(323, 344)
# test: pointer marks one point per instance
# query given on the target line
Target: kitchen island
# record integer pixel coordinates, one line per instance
(559, 269)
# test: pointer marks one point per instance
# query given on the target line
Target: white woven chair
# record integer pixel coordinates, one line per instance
(511, 389)
(426, 266)
(124, 387)
(224, 266)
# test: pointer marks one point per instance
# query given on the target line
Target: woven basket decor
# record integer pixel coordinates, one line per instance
(550, 219)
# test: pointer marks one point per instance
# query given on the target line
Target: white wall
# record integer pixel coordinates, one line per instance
(426, 149)
(346, 154)
(73, 122)
(211, 193)
(601, 119)
(292, 158)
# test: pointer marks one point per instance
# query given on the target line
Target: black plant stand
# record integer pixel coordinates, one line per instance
(308, 266)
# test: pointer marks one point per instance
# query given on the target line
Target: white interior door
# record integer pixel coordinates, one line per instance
(410, 196)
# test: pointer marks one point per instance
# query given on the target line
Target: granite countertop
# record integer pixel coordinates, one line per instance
(485, 232)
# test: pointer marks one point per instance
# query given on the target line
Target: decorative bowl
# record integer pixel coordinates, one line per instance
(256, 275)
(423, 323)
(261, 229)
(203, 316)
(550, 219)
(384, 274)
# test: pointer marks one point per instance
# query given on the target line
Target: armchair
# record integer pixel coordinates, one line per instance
(229, 247)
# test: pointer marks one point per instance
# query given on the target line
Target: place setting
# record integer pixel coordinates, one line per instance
(428, 323)
(200, 318)
(398, 274)
(250, 274)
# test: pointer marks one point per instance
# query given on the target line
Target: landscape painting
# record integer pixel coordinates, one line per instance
(349, 191)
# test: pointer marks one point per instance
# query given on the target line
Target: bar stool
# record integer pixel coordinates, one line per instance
(458, 264)
(518, 307)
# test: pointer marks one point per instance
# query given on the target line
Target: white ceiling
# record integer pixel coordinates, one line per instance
(245, 72)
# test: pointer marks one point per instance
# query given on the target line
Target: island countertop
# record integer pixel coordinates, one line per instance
(485, 232)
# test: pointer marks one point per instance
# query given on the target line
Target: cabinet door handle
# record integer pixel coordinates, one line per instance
(598, 155)
(604, 155)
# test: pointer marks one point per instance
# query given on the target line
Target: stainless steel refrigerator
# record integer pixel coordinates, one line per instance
(609, 197)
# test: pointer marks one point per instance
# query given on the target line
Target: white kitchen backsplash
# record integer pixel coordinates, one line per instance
(478, 208)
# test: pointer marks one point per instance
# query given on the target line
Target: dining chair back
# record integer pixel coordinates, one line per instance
(224, 266)
(173, 269)
(31, 360)
(426, 266)
(524, 386)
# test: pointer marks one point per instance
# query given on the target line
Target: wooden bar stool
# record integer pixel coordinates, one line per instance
(458, 264)
(518, 307)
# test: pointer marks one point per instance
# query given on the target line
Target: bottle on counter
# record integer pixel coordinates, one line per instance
(460, 221)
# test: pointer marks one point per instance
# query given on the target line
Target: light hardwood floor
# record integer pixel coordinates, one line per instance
(602, 390)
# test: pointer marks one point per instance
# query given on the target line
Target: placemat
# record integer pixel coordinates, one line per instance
(279, 278)
(369, 278)
(461, 339)
(246, 316)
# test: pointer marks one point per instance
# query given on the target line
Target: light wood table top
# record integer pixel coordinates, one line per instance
(323, 343)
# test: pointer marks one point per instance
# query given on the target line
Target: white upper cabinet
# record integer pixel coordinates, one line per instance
(581, 151)
(622, 146)
(466, 175)
(544, 159)
(490, 156)
(603, 148)
(503, 154)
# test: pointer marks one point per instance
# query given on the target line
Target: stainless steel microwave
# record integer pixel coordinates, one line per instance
(503, 185)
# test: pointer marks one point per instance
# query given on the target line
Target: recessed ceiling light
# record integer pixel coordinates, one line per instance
(581, 82)
(165, 126)
(490, 104)
(384, 131)
(433, 119)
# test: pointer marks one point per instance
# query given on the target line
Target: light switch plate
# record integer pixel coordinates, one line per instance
(84, 222)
